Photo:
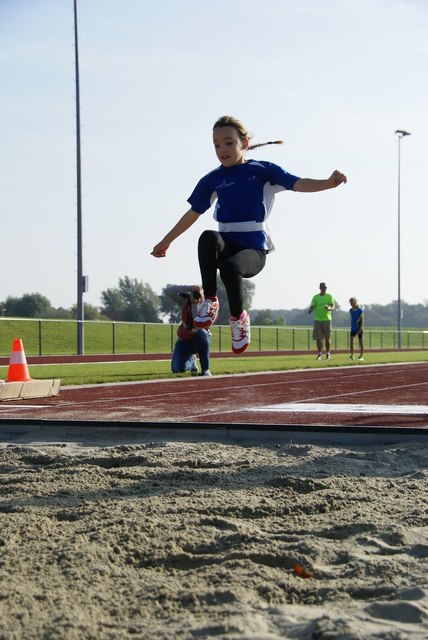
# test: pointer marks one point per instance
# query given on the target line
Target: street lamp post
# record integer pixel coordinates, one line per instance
(400, 133)
(80, 277)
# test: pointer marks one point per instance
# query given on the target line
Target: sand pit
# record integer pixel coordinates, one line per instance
(171, 539)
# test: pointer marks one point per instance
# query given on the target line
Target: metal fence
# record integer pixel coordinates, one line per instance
(59, 337)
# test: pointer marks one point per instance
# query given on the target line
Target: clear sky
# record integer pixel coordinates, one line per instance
(334, 79)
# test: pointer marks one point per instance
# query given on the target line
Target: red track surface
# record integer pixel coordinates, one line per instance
(384, 396)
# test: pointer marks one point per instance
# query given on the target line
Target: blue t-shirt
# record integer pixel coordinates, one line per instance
(356, 316)
(245, 194)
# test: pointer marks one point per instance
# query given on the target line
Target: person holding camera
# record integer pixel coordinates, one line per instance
(191, 342)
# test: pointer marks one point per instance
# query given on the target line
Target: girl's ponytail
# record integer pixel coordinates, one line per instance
(263, 144)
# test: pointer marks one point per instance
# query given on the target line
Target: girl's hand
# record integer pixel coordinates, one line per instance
(337, 178)
(159, 251)
(186, 221)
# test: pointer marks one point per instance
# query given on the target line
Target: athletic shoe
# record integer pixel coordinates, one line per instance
(319, 357)
(194, 368)
(351, 357)
(207, 373)
(241, 334)
(207, 314)
(328, 356)
(360, 358)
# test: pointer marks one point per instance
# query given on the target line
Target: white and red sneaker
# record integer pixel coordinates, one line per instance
(241, 334)
(207, 314)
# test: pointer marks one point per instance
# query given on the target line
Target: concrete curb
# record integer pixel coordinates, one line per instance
(29, 389)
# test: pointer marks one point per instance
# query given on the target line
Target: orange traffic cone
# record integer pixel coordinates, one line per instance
(18, 370)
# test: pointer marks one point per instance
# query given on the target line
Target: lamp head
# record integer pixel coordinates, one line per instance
(402, 133)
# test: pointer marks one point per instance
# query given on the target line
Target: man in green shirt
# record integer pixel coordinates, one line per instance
(323, 303)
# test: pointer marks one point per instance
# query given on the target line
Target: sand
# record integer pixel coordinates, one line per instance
(191, 538)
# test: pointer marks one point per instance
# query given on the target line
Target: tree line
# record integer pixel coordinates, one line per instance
(133, 300)
(375, 315)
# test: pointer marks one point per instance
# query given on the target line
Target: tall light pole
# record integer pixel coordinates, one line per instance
(400, 133)
(80, 279)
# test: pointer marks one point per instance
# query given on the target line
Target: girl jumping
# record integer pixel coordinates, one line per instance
(244, 192)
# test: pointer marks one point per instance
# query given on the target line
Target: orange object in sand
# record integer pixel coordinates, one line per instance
(301, 571)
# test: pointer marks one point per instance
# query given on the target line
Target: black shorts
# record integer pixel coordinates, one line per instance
(360, 335)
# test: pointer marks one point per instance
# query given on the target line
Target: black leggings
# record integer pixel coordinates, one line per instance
(234, 262)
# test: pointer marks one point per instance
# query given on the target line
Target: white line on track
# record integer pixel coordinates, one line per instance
(6, 407)
(393, 409)
(369, 390)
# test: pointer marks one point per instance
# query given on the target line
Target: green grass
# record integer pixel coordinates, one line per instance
(50, 337)
(99, 373)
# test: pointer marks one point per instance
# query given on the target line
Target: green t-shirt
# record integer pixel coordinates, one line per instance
(319, 302)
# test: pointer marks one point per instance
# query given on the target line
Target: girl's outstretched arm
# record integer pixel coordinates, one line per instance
(186, 221)
(309, 185)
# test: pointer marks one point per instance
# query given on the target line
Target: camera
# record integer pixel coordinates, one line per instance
(187, 294)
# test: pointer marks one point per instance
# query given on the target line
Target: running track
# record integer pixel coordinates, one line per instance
(358, 396)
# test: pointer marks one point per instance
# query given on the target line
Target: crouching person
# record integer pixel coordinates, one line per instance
(191, 342)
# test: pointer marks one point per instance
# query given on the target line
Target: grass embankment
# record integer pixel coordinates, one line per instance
(50, 337)
(100, 373)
